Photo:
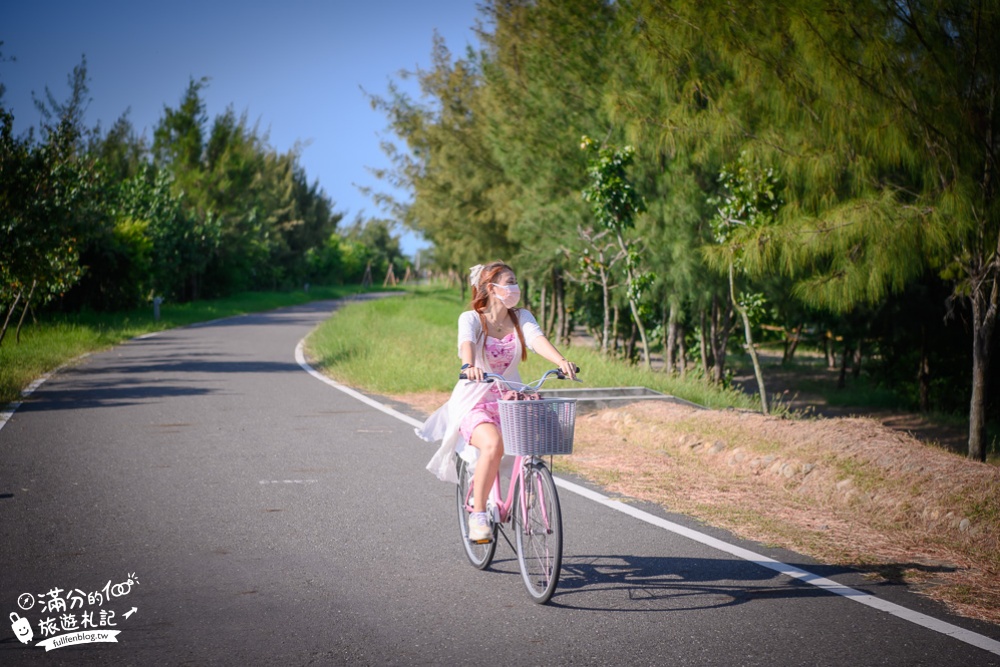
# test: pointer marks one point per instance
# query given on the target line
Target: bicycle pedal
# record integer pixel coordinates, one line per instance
(486, 541)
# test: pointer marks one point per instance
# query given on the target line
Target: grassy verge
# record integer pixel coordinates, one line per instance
(409, 345)
(55, 340)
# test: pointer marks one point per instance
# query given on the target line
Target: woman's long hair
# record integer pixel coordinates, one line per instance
(481, 296)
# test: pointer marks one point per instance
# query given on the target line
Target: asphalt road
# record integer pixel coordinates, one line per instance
(264, 517)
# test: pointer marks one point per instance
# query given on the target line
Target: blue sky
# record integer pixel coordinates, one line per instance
(297, 67)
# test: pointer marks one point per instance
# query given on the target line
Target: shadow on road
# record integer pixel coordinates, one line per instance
(106, 394)
(683, 583)
(189, 364)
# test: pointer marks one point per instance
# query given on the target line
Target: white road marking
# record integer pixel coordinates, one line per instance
(288, 481)
(923, 620)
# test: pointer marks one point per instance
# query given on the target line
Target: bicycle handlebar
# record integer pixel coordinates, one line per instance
(532, 386)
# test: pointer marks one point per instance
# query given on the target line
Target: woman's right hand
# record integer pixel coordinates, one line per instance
(473, 374)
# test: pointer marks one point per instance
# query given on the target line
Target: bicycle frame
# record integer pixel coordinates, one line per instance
(537, 526)
(504, 506)
(505, 503)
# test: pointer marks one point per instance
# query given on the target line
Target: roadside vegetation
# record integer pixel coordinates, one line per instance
(703, 177)
(204, 218)
(98, 224)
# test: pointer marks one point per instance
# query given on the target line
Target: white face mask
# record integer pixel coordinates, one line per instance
(510, 295)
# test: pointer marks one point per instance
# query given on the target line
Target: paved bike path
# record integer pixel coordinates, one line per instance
(269, 519)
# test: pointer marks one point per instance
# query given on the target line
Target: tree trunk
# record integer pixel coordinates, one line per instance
(614, 332)
(559, 314)
(983, 324)
(567, 338)
(556, 307)
(542, 310)
(27, 305)
(977, 408)
(6, 321)
(791, 344)
(721, 325)
(633, 306)
(681, 351)
(606, 297)
(630, 347)
(748, 335)
(568, 323)
(552, 331)
(670, 346)
(924, 373)
(703, 343)
(856, 368)
(664, 320)
(562, 324)
(842, 378)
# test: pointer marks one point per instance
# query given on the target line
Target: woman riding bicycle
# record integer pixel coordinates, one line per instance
(493, 337)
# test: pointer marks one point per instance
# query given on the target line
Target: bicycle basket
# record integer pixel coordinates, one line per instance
(538, 428)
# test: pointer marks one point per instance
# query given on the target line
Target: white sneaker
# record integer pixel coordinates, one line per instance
(479, 528)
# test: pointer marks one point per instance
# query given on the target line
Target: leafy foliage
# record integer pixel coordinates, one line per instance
(613, 200)
(879, 117)
(93, 220)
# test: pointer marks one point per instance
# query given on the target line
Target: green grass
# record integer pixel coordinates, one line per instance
(396, 345)
(410, 344)
(57, 339)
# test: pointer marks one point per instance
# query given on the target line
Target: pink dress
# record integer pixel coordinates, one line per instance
(500, 353)
(445, 424)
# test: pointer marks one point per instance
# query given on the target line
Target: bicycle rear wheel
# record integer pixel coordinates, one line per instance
(538, 530)
(480, 555)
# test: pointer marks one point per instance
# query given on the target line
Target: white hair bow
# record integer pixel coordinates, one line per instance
(474, 275)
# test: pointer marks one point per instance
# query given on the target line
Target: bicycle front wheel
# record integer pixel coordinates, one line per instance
(538, 530)
(480, 555)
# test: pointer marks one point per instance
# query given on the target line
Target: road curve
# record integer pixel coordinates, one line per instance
(210, 502)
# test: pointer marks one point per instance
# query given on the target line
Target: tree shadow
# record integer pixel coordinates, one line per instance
(655, 583)
(105, 394)
(189, 363)
(124, 382)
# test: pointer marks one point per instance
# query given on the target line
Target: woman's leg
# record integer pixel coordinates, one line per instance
(487, 439)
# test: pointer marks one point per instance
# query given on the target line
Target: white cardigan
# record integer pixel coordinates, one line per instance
(444, 423)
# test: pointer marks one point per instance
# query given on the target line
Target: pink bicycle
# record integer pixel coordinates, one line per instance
(531, 429)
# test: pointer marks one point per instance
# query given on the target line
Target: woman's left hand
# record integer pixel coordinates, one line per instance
(568, 369)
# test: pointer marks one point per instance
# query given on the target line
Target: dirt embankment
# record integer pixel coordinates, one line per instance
(846, 491)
